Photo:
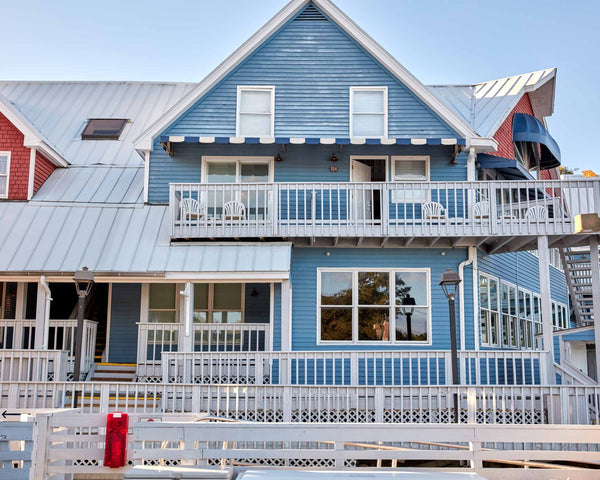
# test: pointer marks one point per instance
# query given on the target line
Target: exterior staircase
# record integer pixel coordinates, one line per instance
(577, 266)
(114, 372)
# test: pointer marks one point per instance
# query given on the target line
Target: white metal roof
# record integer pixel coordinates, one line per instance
(54, 238)
(486, 105)
(358, 474)
(60, 110)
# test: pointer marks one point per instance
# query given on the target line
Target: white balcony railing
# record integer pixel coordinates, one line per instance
(20, 335)
(33, 365)
(353, 368)
(380, 209)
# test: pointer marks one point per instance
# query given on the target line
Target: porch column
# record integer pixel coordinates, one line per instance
(547, 367)
(595, 262)
(186, 341)
(42, 315)
(286, 316)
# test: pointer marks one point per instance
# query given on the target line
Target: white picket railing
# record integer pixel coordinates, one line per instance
(402, 367)
(374, 209)
(274, 403)
(16, 449)
(20, 335)
(33, 365)
(73, 444)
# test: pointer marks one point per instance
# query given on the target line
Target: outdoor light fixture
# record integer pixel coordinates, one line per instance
(449, 284)
(278, 158)
(408, 313)
(84, 281)
(334, 158)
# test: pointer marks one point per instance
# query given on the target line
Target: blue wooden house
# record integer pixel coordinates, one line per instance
(287, 220)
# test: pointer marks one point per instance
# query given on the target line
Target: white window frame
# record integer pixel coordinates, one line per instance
(211, 304)
(426, 159)
(385, 109)
(497, 311)
(238, 161)
(392, 306)
(255, 88)
(4, 195)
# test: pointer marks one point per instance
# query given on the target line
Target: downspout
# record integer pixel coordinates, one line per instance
(48, 299)
(461, 297)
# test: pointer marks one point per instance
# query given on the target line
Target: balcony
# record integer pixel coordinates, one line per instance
(392, 213)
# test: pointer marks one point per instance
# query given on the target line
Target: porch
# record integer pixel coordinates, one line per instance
(390, 213)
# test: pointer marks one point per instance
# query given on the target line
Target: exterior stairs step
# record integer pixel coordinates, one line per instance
(577, 266)
(114, 372)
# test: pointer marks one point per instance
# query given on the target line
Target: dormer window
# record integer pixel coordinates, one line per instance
(4, 172)
(103, 129)
(368, 112)
(255, 111)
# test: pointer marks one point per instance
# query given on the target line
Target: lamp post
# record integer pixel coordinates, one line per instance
(84, 280)
(408, 312)
(449, 284)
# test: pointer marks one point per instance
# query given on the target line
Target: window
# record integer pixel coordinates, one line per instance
(4, 173)
(526, 320)
(358, 306)
(103, 129)
(368, 112)
(255, 111)
(218, 302)
(410, 169)
(162, 303)
(488, 305)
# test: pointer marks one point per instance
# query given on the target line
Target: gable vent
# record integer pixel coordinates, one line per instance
(310, 13)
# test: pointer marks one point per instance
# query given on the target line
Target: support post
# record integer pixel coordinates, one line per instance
(79, 340)
(286, 316)
(547, 366)
(42, 315)
(595, 263)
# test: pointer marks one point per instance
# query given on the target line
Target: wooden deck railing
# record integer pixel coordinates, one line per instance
(377, 209)
(20, 335)
(425, 367)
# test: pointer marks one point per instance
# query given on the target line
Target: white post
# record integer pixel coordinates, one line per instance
(595, 262)
(547, 366)
(42, 315)
(286, 331)
(186, 338)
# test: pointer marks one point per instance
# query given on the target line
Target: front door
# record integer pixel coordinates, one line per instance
(362, 201)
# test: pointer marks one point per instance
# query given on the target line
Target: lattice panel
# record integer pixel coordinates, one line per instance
(148, 379)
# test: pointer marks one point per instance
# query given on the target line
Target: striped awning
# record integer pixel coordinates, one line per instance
(313, 140)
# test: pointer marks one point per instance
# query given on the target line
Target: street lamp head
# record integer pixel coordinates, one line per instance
(449, 283)
(84, 280)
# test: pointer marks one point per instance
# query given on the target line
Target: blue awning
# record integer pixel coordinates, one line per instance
(529, 129)
(509, 168)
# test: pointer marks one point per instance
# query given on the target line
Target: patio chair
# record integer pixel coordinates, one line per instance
(234, 210)
(481, 210)
(538, 213)
(433, 211)
(190, 209)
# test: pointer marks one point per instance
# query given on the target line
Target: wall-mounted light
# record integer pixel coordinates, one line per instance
(334, 158)
(278, 158)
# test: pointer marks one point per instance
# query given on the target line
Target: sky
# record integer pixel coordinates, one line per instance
(439, 41)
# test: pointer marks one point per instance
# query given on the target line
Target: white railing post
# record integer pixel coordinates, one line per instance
(471, 405)
(39, 455)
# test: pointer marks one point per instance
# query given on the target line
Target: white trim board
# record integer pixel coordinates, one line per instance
(145, 140)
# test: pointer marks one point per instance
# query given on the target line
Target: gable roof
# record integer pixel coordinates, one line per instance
(144, 142)
(486, 105)
(33, 138)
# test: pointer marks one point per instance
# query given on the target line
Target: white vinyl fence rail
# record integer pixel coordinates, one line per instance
(335, 404)
(16, 450)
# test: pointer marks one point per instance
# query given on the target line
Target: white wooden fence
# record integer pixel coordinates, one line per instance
(20, 335)
(400, 367)
(33, 365)
(16, 450)
(72, 443)
(270, 403)
(382, 209)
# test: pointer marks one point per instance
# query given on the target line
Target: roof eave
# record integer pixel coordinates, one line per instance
(145, 141)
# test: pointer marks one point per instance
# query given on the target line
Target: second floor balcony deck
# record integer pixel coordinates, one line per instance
(379, 213)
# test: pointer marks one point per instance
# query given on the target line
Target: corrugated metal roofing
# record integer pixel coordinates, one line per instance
(98, 184)
(60, 111)
(485, 105)
(54, 238)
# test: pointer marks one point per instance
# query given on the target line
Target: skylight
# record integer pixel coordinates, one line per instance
(103, 129)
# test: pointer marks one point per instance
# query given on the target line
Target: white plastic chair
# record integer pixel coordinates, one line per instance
(190, 209)
(537, 213)
(234, 210)
(481, 209)
(433, 210)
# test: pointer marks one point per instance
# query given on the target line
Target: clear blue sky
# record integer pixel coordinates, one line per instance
(439, 41)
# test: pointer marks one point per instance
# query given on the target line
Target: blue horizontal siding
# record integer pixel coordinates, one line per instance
(301, 163)
(305, 262)
(125, 313)
(312, 65)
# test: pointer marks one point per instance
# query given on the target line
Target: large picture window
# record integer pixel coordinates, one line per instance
(376, 305)
(255, 111)
(368, 112)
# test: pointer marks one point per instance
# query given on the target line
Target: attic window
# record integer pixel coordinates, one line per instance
(103, 129)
